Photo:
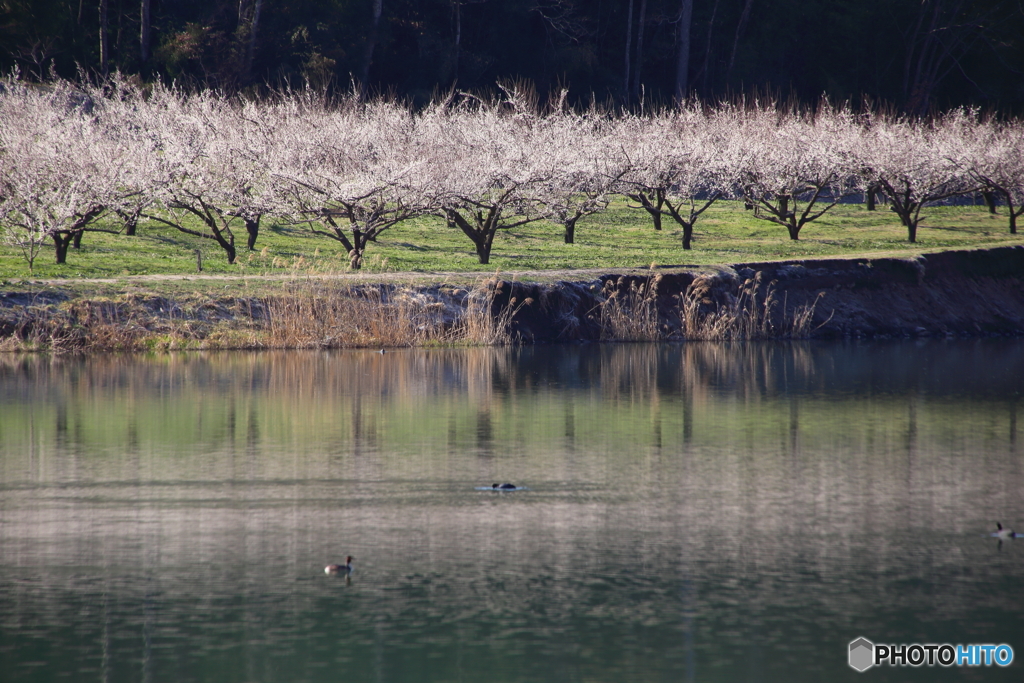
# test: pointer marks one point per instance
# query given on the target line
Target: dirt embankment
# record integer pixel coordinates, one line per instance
(953, 293)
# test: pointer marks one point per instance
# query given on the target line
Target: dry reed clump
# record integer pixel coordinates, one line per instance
(327, 315)
(631, 313)
(749, 315)
(322, 314)
(705, 313)
(480, 323)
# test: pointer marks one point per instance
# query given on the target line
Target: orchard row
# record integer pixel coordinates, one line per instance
(213, 166)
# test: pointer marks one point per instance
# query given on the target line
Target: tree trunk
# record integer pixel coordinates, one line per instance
(144, 27)
(458, 40)
(943, 33)
(226, 243)
(131, 221)
(655, 216)
(683, 59)
(990, 201)
(76, 239)
(355, 255)
(60, 244)
(925, 45)
(870, 196)
(903, 206)
(570, 229)
(104, 38)
(251, 49)
(339, 235)
(706, 67)
(252, 227)
(483, 250)
(629, 46)
(744, 16)
(482, 234)
(641, 20)
(245, 35)
(792, 225)
(654, 209)
(659, 196)
(693, 214)
(371, 44)
(484, 246)
(687, 234)
(1014, 212)
(908, 212)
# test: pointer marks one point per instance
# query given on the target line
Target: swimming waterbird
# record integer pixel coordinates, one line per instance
(340, 568)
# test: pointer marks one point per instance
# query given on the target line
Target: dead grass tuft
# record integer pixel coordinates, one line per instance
(630, 310)
(322, 314)
(707, 311)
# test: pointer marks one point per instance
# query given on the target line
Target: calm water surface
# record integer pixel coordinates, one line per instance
(695, 513)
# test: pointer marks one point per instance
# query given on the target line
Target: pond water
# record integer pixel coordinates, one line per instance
(692, 512)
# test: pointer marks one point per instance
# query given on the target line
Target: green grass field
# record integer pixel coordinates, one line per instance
(622, 237)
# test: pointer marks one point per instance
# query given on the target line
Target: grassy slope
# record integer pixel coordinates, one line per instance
(622, 237)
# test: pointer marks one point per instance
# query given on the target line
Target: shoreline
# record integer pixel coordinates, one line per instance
(958, 293)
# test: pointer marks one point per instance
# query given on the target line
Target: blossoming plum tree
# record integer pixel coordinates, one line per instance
(206, 174)
(917, 162)
(682, 159)
(584, 167)
(350, 177)
(59, 171)
(997, 163)
(483, 174)
(797, 166)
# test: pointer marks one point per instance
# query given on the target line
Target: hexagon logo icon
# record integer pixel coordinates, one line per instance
(862, 654)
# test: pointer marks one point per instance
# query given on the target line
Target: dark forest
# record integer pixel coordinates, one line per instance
(916, 55)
